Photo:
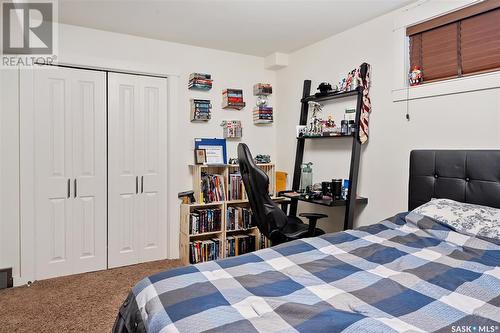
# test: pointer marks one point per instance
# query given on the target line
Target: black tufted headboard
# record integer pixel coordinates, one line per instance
(471, 176)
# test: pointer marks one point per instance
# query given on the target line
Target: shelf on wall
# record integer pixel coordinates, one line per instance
(330, 96)
(326, 137)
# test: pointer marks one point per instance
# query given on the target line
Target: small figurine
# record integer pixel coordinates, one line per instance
(416, 76)
(315, 127)
(324, 88)
(342, 84)
(329, 125)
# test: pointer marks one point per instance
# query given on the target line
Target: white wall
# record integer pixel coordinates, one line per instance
(87, 47)
(467, 120)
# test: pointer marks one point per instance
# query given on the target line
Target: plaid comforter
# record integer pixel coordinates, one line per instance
(405, 274)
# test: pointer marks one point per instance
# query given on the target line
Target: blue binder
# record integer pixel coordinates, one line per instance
(200, 142)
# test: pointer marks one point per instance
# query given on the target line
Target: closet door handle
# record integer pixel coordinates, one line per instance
(69, 188)
(136, 184)
(142, 184)
(75, 188)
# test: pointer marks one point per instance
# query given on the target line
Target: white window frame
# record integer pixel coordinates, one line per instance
(416, 13)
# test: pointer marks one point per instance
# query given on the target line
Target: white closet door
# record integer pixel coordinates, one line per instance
(89, 170)
(153, 187)
(53, 173)
(57, 230)
(137, 150)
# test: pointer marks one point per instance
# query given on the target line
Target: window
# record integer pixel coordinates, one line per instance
(461, 43)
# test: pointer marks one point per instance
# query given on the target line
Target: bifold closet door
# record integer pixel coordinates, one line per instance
(136, 169)
(70, 171)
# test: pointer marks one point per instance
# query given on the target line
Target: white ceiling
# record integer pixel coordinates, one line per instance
(256, 27)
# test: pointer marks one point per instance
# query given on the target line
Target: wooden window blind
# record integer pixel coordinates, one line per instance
(461, 43)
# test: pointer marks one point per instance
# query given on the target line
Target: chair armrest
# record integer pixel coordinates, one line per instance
(313, 218)
(313, 215)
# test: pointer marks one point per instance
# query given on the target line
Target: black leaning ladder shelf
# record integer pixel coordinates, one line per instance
(355, 155)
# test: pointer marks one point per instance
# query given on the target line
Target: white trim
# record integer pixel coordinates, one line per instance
(416, 13)
(172, 120)
(477, 82)
(26, 175)
(115, 66)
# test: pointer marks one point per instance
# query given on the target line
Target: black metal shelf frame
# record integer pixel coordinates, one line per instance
(355, 154)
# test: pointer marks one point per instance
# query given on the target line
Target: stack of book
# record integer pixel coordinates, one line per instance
(238, 218)
(233, 99)
(204, 220)
(232, 129)
(236, 190)
(201, 110)
(212, 188)
(260, 89)
(237, 245)
(263, 114)
(200, 251)
(200, 81)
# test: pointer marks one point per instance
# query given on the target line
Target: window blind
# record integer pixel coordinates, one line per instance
(469, 45)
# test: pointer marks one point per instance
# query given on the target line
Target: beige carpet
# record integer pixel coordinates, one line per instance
(78, 303)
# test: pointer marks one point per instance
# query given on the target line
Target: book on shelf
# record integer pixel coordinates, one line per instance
(205, 220)
(212, 188)
(238, 245)
(236, 189)
(264, 242)
(201, 110)
(200, 81)
(204, 250)
(232, 129)
(262, 89)
(263, 113)
(233, 98)
(238, 218)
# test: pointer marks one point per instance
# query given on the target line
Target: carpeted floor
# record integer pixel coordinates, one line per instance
(78, 303)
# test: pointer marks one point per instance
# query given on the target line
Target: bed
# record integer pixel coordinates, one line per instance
(408, 273)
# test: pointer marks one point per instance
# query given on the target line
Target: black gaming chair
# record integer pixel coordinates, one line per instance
(268, 217)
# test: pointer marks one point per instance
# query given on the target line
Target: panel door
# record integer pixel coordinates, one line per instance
(89, 170)
(137, 162)
(152, 164)
(124, 118)
(53, 173)
(58, 104)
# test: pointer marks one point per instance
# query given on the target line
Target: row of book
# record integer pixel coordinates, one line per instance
(264, 242)
(236, 190)
(201, 110)
(263, 114)
(238, 218)
(233, 99)
(205, 220)
(238, 245)
(232, 129)
(260, 89)
(206, 250)
(212, 188)
(200, 81)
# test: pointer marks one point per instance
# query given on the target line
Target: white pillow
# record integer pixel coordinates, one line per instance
(466, 218)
